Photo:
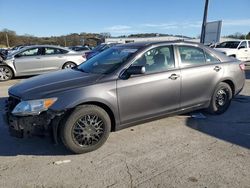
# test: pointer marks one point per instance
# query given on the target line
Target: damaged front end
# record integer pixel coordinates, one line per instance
(40, 124)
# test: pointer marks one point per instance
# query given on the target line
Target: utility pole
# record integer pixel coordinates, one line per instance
(65, 42)
(7, 40)
(203, 27)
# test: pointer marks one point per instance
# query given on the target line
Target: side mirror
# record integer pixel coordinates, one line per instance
(17, 56)
(133, 70)
(241, 47)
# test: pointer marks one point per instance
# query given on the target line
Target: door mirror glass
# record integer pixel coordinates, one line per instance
(133, 70)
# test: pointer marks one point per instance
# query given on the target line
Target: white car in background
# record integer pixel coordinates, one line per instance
(38, 59)
(238, 49)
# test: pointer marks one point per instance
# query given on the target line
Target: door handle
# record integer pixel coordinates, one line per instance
(60, 56)
(38, 58)
(217, 68)
(246, 50)
(173, 76)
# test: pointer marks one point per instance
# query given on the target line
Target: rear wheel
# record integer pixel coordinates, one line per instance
(221, 99)
(69, 65)
(86, 129)
(5, 73)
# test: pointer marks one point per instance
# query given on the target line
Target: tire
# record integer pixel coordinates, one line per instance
(221, 99)
(68, 65)
(6, 73)
(85, 129)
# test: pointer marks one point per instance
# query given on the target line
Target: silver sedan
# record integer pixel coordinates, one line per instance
(38, 59)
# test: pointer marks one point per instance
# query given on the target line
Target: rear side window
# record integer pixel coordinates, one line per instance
(54, 51)
(191, 55)
(211, 58)
(248, 44)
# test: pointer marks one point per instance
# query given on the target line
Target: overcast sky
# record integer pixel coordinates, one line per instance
(121, 17)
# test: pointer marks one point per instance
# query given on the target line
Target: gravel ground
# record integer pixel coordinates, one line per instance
(178, 151)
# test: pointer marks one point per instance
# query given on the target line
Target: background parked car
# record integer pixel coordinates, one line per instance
(38, 59)
(98, 49)
(237, 49)
(3, 54)
(17, 48)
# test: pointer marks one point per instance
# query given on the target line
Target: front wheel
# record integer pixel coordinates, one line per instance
(86, 129)
(5, 73)
(69, 65)
(221, 99)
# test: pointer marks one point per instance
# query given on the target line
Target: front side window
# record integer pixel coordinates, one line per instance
(243, 44)
(190, 55)
(108, 60)
(157, 59)
(29, 52)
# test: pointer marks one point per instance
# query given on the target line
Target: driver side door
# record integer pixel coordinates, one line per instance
(154, 93)
(243, 51)
(28, 62)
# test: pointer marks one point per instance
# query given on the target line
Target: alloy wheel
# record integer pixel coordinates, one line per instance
(221, 98)
(88, 130)
(5, 73)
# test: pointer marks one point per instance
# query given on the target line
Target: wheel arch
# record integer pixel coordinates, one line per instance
(231, 84)
(106, 108)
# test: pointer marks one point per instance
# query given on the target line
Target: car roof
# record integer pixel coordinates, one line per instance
(44, 45)
(151, 43)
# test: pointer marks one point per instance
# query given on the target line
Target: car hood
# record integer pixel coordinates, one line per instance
(47, 84)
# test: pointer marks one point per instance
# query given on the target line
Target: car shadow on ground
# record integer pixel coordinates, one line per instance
(10, 146)
(232, 126)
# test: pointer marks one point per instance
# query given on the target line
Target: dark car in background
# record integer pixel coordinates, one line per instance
(123, 86)
(98, 49)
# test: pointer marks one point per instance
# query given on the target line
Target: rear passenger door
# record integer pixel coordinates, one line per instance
(200, 72)
(53, 58)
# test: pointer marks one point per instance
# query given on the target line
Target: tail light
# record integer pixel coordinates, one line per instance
(84, 56)
(242, 66)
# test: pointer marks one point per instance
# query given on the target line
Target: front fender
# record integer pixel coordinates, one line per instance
(104, 93)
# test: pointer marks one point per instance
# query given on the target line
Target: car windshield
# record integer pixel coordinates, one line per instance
(230, 44)
(107, 61)
(99, 47)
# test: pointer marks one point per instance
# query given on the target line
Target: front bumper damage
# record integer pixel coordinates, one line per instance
(28, 126)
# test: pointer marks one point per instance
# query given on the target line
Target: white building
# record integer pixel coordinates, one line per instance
(165, 38)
